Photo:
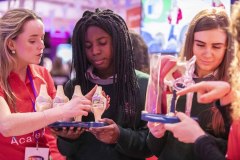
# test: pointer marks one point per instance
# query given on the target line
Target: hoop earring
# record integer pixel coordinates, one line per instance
(13, 52)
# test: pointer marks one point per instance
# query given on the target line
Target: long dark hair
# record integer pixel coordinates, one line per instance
(125, 82)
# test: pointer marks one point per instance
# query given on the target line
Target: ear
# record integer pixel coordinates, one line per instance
(11, 44)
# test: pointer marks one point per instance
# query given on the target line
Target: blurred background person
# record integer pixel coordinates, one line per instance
(140, 52)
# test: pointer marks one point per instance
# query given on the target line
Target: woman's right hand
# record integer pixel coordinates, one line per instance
(76, 106)
(209, 91)
(157, 129)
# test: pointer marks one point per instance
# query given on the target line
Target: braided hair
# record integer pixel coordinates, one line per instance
(124, 78)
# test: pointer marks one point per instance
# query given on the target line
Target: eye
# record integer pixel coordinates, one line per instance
(88, 45)
(103, 42)
(200, 45)
(217, 47)
(32, 41)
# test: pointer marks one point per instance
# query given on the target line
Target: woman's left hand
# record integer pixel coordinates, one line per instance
(108, 134)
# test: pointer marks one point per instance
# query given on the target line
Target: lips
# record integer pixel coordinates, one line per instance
(98, 62)
(39, 55)
(206, 62)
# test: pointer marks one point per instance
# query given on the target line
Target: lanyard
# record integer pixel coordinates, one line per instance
(33, 88)
(36, 134)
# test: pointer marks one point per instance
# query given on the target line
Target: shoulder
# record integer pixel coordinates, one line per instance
(38, 70)
(41, 74)
(141, 75)
(142, 80)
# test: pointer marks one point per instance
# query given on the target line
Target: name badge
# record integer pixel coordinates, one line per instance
(33, 153)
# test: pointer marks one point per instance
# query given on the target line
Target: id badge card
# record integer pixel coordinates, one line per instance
(33, 153)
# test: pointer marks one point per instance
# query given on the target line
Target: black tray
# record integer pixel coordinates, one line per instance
(77, 124)
(161, 118)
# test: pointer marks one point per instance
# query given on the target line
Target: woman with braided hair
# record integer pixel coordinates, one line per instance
(102, 55)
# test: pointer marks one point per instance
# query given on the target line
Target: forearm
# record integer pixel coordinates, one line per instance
(15, 124)
(206, 148)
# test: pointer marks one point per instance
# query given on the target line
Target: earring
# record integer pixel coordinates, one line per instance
(13, 52)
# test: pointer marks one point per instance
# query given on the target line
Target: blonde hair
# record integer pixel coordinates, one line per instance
(11, 25)
(235, 65)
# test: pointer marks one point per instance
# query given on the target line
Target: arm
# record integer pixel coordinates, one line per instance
(14, 124)
(209, 91)
(189, 131)
(133, 142)
(206, 148)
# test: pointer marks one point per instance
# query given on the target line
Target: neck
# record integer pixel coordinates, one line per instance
(21, 71)
(104, 75)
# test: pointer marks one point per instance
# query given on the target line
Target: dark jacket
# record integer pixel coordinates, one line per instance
(131, 144)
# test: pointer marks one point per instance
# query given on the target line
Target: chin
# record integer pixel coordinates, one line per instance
(36, 62)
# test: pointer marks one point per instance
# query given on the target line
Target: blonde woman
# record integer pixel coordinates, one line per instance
(21, 48)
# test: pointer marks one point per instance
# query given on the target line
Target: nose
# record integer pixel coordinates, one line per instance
(208, 52)
(41, 46)
(95, 49)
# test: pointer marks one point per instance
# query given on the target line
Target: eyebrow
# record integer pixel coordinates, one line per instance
(103, 37)
(213, 43)
(35, 35)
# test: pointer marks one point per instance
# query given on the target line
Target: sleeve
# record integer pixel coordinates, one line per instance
(68, 147)
(156, 145)
(221, 141)
(133, 142)
(206, 148)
